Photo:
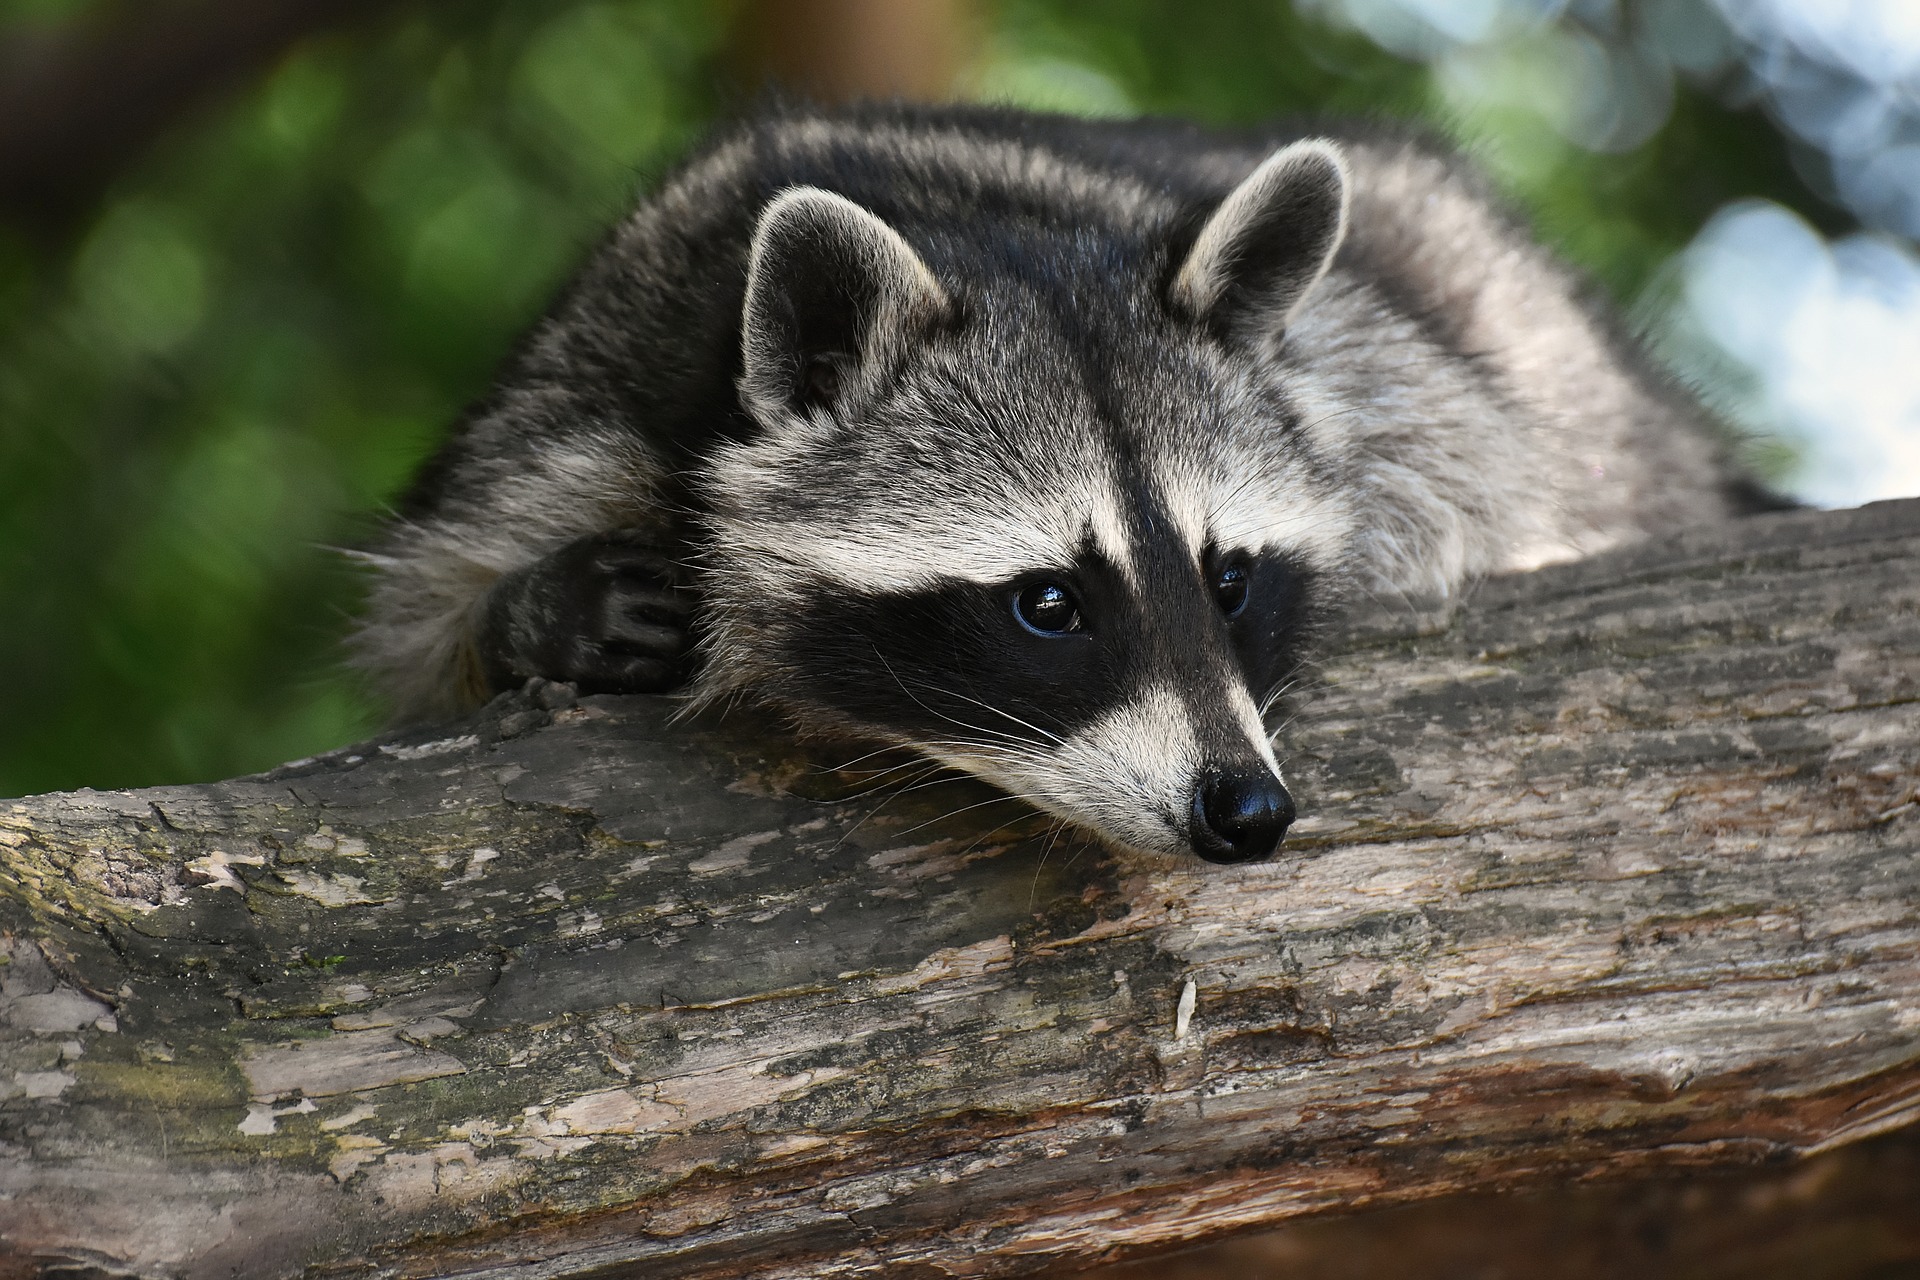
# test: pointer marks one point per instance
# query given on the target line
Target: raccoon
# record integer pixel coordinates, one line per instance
(1039, 445)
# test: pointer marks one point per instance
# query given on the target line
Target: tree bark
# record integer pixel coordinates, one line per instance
(1613, 872)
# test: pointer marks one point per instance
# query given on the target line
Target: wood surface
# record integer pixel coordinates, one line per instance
(1845, 1214)
(1610, 874)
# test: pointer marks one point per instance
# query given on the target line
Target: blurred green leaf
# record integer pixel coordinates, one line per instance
(141, 278)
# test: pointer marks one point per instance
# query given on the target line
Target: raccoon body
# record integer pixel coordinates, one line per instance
(1038, 445)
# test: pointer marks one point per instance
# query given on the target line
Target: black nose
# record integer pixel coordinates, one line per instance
(1239, 815)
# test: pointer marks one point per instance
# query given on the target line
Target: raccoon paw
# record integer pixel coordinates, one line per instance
(607, 613)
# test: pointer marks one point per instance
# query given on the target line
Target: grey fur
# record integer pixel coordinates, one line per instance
(1048, 324)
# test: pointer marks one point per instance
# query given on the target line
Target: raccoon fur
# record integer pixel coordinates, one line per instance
(1036, 444)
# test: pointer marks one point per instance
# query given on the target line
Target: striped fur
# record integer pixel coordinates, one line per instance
(865, 376)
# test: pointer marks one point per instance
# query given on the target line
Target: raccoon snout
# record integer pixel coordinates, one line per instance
(1239, 815)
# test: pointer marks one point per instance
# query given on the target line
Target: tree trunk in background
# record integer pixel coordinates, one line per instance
(832, 51)
(79, 102)
(82, 99)
(1611, 875)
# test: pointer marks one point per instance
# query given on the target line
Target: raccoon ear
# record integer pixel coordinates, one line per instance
(833, 293)
(1267, 245)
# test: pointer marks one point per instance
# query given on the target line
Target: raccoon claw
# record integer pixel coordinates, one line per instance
(606, 613)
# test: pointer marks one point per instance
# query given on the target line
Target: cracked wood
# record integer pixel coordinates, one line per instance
(1612, 871)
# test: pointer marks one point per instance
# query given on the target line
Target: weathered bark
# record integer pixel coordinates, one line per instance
(1614, 872)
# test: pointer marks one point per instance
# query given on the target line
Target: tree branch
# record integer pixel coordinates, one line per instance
(1614, 872)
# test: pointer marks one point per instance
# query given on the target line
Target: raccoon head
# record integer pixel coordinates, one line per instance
(1034, 500)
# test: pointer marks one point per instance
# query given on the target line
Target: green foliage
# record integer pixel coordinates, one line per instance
(245, 354)
(240, 359)
(1245, 61)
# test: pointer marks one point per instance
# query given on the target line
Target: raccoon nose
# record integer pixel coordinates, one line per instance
(1239, 816)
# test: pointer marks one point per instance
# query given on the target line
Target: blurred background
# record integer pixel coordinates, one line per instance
(256, 254)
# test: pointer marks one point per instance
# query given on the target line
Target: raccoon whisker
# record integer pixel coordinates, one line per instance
(918, 701)
(999, 711)
(1036, 799)
(925, 780)
(1076, 856)
(981, 839)
(882, 782)
(955, 693)
(927, 777)
(868, 774)
(848, 764)
(1006, 748)
(1027, 798)
(880, 750)
(992, 739)
(1272, 699)
(997, 749)
(1033, 890)
(1304, 681)
(695, 700)
(1267, 703)
(912, 784)
(987, 835)
(1284, 725)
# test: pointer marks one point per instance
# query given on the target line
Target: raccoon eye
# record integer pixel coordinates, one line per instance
(1230, 589)
(1048, 609)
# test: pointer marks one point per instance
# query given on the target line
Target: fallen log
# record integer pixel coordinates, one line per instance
(1614, 871)
(1845, 1214)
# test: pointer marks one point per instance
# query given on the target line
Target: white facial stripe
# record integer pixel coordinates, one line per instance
(1110, 532)
(996, 531)
(1244, 505)
(910, 554)
(1303, 524)
(1129, 776)
(1240, 702)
